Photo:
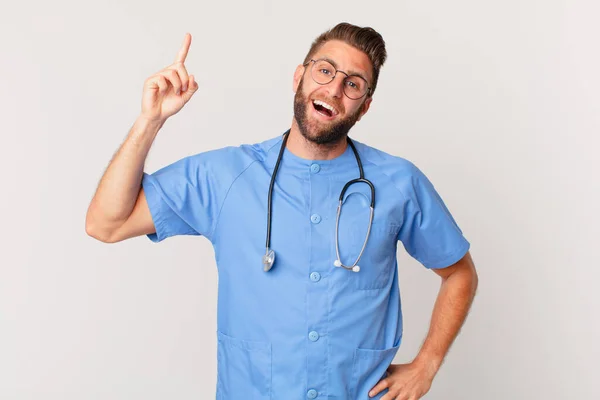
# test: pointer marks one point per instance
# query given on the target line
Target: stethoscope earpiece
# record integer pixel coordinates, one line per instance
(338, 263)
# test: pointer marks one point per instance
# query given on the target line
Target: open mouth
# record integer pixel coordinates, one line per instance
(324, 109)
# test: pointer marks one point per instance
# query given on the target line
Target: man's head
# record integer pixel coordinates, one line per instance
(357, 54)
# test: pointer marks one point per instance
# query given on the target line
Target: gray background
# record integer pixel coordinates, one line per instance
(497, 102)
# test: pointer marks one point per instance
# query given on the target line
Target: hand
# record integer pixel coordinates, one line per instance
(166, 92)
(405, 382)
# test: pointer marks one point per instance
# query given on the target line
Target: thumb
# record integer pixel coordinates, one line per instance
(193, 88)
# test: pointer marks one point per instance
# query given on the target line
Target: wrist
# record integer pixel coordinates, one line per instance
(429, 363)
(144, 126)
(146, 123)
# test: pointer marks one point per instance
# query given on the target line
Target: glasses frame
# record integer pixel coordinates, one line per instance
(367, 92)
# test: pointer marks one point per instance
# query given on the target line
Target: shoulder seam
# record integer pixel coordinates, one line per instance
(390, 178)
(214, 228)
(271, 148)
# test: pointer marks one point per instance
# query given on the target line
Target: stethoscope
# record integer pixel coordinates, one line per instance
(269, 258)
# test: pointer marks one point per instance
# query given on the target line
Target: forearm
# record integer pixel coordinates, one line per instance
(119, 187)
(450, 311)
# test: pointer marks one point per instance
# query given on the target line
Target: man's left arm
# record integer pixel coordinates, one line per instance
(459, 284)
(413, 380)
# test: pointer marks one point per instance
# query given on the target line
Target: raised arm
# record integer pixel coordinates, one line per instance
(119, 209)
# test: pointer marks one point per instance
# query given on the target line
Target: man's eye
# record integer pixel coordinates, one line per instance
(325, 71)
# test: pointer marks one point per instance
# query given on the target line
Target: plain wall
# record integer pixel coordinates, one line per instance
(497, 102)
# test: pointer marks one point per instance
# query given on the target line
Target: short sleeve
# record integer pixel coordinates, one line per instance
(429, 233)
(184, 197)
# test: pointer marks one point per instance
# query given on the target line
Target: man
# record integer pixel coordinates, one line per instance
(319, 315)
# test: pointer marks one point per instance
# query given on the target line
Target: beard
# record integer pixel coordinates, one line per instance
(329, 134)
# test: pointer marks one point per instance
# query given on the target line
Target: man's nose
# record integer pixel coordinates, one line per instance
(336, 86)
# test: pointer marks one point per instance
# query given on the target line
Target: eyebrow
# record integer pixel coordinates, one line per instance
(350, 72)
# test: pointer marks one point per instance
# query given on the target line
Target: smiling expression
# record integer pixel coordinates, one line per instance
(324, 114)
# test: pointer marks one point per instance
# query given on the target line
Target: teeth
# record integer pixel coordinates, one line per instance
(327, 106)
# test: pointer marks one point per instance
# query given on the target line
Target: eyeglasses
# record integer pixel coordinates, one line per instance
(323, 72)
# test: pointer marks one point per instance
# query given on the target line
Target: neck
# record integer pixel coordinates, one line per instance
(298, 145)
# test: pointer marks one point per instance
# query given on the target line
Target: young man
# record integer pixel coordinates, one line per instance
(319, 315)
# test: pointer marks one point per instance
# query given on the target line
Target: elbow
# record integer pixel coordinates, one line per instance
(93, 231)
(474, 279)
(102, 237)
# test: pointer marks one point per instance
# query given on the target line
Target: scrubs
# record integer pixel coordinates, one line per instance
(305, 329)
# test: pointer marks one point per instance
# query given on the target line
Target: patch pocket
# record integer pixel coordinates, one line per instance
(378, 260)
(243, 369)
(370, 366)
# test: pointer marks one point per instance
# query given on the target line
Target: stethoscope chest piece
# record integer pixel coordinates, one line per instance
(268, 259)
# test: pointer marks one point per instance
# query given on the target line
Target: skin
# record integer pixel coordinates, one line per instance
(458, 282)
(119, 209)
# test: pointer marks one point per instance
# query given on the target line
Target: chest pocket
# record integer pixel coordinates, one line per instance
(377, 262)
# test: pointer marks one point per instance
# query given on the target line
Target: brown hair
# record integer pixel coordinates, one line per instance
(365, 39)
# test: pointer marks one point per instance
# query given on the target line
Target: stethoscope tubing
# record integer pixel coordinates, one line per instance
(269, 258)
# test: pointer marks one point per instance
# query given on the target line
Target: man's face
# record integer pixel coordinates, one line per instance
(316, 123)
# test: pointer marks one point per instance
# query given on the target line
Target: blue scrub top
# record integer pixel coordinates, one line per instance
(305, 329)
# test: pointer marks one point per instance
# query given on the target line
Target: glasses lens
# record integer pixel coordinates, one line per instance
(355, 87)
(322, 72)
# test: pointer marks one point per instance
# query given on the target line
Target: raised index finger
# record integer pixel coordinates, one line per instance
(184, 48)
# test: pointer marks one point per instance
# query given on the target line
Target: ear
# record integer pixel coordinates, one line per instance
(297, 76)
(365, 107)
